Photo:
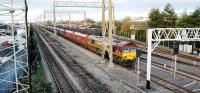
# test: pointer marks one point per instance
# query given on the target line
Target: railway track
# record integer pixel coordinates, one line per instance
(63, 84)
(179, 71)
(168, 51)
(88, 81)
(169, 84)
(165, 83)
(178, 61)
(161, 50)
(86, 77)
(164, 51)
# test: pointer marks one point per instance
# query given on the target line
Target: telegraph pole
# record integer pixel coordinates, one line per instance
(84, 18)
(114, 27)
(103, 30)
(110, 34)
(44, 16)
(27, 46)
(69, 23)
(54, 17)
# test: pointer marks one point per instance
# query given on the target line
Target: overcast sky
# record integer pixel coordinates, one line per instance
(133, 8)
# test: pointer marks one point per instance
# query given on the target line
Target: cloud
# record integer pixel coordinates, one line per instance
(133, 8)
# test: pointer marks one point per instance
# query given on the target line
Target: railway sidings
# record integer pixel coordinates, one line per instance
(86, 81)
(162, 70)
(63, 84)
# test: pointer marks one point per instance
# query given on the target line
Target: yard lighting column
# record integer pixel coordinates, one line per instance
(110, 34)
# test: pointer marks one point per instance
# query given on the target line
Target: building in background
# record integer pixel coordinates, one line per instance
(134, 28)
(138, 28)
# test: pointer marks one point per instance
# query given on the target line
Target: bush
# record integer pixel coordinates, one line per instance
(39, 82)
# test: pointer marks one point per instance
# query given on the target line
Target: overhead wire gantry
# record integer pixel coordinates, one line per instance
(99, 5)
(69, 12)
(155, 36)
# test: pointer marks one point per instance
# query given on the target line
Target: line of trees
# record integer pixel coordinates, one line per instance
(169, 19)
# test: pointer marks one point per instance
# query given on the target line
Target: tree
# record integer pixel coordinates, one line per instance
(127, 18)
(49, 22)
(90, 20)
(192, 20)
(118, 25)
(155, 18)
(125, 25)
(196, 17)
(169, 16)
(184, 21)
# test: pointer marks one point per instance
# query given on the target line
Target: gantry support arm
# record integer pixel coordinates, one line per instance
(167, 34)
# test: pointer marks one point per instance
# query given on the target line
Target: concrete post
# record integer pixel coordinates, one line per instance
(175, 67)
(149, 58)
(138, 65)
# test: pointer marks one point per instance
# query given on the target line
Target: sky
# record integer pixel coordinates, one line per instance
(123, 8)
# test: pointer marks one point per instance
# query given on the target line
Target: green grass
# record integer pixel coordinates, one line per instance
(39, 81)
(40, 71)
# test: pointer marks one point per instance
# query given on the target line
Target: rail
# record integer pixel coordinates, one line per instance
(59, 78)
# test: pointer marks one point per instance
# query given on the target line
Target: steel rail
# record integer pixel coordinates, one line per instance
(156, 79)
(60, 89)
(73, 68)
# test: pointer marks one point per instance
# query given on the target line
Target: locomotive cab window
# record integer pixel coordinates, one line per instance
(133, 50)
(129, 50)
